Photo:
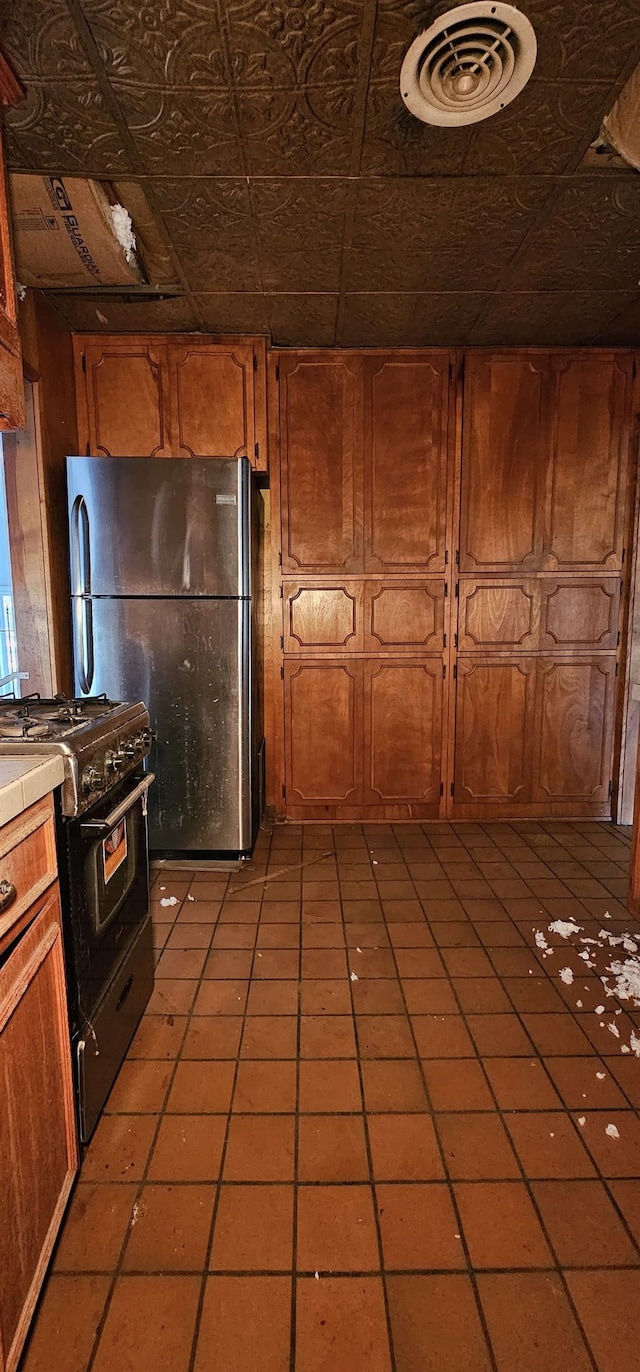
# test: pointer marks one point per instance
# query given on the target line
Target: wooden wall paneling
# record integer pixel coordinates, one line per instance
(324, 753)
(586, 503)
(274, 704)
(495, 700)
(403, 734)
(574, 732)
(26, 511)
(404, 616)
(323, 618)
(504, 450)
(12, 411)
(406, 414)
(625, 739)
(212, 398)
(125, 387)
(321, 455)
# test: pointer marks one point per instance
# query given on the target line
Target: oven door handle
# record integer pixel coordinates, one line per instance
(96, 827)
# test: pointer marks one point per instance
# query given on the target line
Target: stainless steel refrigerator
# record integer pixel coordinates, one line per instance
(163, 598)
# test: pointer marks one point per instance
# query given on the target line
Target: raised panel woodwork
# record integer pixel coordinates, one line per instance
(38, 1152)
(575, 726)
(321, 447)
(403, 742)
(322, 618)
(404, 615)
(324, 733)
(405, 461)
(494, 732)
(12, 412)
(580, 615)
(590, 404)
(504, 446)
(212, 400)
(127, 399)
(497, 615)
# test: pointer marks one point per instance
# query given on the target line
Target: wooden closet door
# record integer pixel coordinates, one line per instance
(587, 488)
(212, 399)
(123, 398)
(403, 734)
(504, 456)
(574, 731)
(494, 739)
(406, 429)
(321, 454)
(323, 708)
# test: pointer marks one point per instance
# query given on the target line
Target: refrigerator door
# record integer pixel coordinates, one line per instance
(190, 660)
(147, 526)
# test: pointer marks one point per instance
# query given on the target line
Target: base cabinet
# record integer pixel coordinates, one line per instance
(38, 1151)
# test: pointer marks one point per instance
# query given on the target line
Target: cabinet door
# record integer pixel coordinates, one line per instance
(124, 386)
(498, 615)
(586, 498)
(38, 1153)
(321, 449)
(212, 399)
(494, 742)
(406, 408)
(504, 455)
(404, 616)
(322, 619)
(403, 732)
(580, 614)
(323, 733)
(575, 729)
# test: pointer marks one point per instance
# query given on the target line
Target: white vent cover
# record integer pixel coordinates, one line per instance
(472, 62)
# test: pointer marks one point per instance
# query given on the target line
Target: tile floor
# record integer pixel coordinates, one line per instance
(362, 1125)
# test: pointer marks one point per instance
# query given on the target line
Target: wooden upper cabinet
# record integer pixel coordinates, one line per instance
(171, 396)
(12, 410)
(215, 401)
(538, 614)
(123, 397)
(590, 402)
(406, 412)
(321, 451)
(504, 451)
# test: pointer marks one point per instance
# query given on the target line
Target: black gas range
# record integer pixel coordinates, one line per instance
(103, 866)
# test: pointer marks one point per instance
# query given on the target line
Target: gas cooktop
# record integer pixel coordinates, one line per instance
(100, 740)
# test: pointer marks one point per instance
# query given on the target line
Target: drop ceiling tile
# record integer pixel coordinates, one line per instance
(540, 131)
(63, 126)
(300, 225)
(177, 43)
(291, 44)
(237, 313)
(303, 320)
(440, 270)
(397, 216)
(425, 320)
(133, 316)
(583, 40)
(397, 144)
(547, 318)
(177, 129)
(210, 223)
(297, 133)
(41, 39)
(492, 211)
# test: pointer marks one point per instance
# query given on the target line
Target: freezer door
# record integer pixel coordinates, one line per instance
(190, 661)
(159, 526)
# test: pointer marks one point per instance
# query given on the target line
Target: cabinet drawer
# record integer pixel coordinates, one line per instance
(27, 862)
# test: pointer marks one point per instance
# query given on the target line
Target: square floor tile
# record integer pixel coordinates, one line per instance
(328, 1086)
(324, 963)
(67, 1320)
(119, 1148)
(140, 1087)
(341, 1323)
(253, 1229)
(332, 997)
(583, 1225)
(521, 1084)
(393, 1085)
(95, 1208)
(377, 997)
(188, 1148)
(500, 1225)
(332, 1148)
(150, 1324)
(213, 1037)
(260, 1148)
(548, 1145)
(442, 1036)
(169, 1229)
(269, 1036)
(245, 1324)
(531, 1324)
(336, 1229)
(476, 1147)
(201, 1088)
(226, 964)
(158, 1036)
(617, 1156)
(499, 1036)
(481, 995)
(273, 998)
(265, 1087)
(221, 998)
(430, 996)
(278, 964)
(327, 1036)
(385, 1036)
(404, 1148)
(435, 1324)
(457, 1084)
(418, 1227)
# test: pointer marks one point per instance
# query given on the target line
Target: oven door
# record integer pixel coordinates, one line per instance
(109, 885)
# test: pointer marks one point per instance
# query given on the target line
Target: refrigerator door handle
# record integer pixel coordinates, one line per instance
(83, 641)
(80, 548)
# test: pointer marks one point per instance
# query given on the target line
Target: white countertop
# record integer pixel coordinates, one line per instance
(23, 781)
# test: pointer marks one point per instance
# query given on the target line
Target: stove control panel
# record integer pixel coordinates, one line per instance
(109, 764)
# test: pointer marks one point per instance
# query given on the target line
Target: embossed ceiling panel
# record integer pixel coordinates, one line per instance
(300, 196)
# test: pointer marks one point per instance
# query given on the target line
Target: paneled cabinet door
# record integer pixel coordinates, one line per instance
(323, 733)
(494, 742)
(38, 1154)
(321, 450)
(406, 424)
(213, 400)
(403, 733)
(587, 487)
(575, 731)
(123, 398)
(504, 456)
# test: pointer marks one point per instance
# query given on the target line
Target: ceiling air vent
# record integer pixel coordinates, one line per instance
(472, 62)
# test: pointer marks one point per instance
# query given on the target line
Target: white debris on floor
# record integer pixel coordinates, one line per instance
(566, 928)
(566, 975)
(622, 973)
(612, 1131)
(169, 900)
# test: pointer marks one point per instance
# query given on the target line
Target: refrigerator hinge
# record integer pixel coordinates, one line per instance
(255, 362)
(442, 788)
(84, 362)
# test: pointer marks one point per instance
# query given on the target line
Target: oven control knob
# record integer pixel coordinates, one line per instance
(129, 749)
(92, 779)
